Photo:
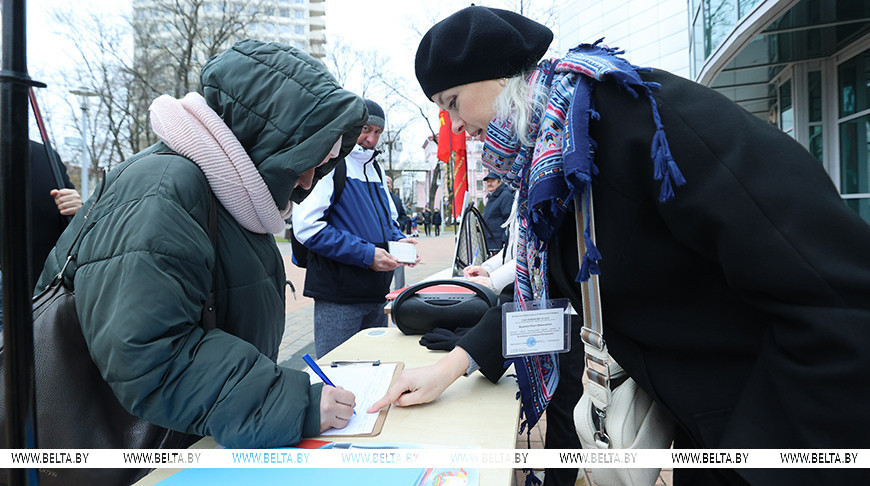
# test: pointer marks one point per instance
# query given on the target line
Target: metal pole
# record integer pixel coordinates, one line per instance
(86, 162)
(83, 94)
(17, 288)
(452, 166)
(50, 154)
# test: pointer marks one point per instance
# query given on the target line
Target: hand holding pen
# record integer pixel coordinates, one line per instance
(336, 403)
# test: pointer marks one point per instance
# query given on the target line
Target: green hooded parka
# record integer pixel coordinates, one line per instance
(143, 265)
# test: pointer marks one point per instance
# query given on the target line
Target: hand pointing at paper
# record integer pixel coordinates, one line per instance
(422, 385)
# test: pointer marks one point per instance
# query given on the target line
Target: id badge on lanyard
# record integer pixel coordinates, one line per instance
(543, 326)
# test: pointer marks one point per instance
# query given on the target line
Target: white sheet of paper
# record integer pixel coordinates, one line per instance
(367, 383)
(403, 251)
(533, 332)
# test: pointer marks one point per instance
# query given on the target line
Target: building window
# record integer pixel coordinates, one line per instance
(300, 29)
(299, 14)
(720, 17)
(786, 109)
(853, 77)
(814, 105)
(746, 6)
(697, 45)
(479, 185)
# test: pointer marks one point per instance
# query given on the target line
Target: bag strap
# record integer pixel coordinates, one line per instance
(602, 371)
(339, 179)
(209, 310)
(70, 256)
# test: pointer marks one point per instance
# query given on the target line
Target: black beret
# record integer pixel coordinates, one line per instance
(476, 44)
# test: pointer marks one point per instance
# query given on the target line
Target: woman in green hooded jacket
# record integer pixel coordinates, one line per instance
(269, 123)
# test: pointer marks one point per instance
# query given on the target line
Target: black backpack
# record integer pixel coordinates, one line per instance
(300, 251)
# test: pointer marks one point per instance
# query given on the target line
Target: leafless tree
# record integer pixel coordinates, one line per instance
(543, 12)
(101, 69)
(342, 60)
(159, 50)
(181, 35)
(367, 73)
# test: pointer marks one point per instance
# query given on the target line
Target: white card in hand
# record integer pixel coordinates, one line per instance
(404, 252)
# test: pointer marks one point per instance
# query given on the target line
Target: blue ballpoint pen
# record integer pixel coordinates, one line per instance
(310, 362)
(314, 367)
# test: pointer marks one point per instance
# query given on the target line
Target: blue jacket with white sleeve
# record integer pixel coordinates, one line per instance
(342, 234)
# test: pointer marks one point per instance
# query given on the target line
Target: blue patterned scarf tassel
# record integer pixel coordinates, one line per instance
(589, 265)
(531, 479)
(535, 391)
(666, 169)
(580, 168)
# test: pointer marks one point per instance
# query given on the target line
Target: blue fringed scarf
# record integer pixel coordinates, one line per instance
(559, 166)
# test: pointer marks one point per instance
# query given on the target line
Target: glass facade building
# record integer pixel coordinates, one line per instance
(803, 65)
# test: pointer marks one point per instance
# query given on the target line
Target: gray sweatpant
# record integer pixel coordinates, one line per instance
(335, 323)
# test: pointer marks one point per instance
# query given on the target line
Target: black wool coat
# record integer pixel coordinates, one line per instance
(742, 305)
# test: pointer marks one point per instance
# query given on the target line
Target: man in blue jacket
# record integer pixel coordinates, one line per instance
(349, 268)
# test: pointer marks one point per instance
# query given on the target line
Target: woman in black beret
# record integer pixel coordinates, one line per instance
(735, 284)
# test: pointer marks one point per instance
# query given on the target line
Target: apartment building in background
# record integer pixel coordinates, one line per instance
(299, 23)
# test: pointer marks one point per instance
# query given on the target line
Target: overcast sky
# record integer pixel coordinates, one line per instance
(385, 25)
(393, 27)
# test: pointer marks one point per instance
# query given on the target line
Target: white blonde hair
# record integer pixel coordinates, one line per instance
(517, 103)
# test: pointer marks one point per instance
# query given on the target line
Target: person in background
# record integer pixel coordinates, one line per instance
(720, 277)
(427, 220)
(408, 211)
(414, 222)
(270, 122)
(349, 268)
(50, 209)
(436, 221)
(401, 217)
(499, 199)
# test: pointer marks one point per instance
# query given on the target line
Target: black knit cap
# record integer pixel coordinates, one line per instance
(376, 114)
(476, 44)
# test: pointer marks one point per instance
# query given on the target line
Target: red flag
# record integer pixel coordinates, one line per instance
(444, 136)
(460, 174)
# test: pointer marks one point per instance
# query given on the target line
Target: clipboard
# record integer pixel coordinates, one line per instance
(341, 371)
